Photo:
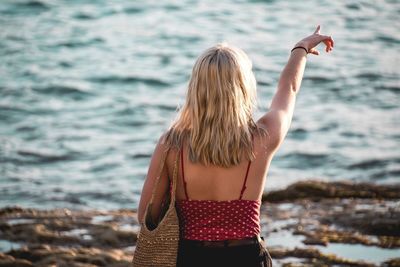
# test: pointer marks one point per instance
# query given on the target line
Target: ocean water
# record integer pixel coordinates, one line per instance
(87, 87)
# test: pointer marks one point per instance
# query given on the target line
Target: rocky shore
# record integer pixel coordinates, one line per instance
(310, 223)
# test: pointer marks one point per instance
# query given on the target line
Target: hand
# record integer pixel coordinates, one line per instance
(310, 42)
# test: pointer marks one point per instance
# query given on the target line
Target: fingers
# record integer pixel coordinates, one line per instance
(316, 38)
(313, 51)
(328, 47)
(328, 41)
(318, 30)
(329, 44)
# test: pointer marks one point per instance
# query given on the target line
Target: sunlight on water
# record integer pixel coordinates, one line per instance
(87, 88)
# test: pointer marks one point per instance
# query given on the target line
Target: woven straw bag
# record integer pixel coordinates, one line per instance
(158, 247)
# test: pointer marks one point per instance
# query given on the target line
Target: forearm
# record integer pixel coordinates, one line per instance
(279, 116)
(292, 74)
(289, 82)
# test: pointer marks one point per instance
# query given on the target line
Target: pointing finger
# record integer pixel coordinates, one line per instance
(317, 31)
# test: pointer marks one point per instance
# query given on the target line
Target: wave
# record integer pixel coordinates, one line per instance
(367, 164)
(298, 133)
(318, 79)
(385, 174)
(133, 10)
(263, 83)
(373, 163)
(96, 195)
(352, 134)
(388, 39)
(103, 167)
(165, 107)
(328, 127)
(44, 157)
(353, 6)
(26, 128)
(77, 43)
(84, 16)
(129, 123)
(63, 90)
(129, 79)
(302, 160)
(69, 198)
(370, 76)
(141, 156)
(393, 89)
(8, 107)
(33, 7)
(32, 4)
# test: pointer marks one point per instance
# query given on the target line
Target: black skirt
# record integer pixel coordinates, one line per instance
(190, 255)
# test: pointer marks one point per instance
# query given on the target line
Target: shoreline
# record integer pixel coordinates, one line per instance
(309, 223)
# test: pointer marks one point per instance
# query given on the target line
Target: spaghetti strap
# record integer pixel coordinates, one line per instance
(183, 175)
(247, 173)
(245, 180)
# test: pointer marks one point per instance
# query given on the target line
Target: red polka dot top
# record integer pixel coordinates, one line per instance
(214, 220)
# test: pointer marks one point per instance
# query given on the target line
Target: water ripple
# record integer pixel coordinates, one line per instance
(87, 88)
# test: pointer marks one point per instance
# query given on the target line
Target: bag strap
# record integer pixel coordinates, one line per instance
(174, 178)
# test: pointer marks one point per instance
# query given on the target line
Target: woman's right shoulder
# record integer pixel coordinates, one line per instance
(269, 135)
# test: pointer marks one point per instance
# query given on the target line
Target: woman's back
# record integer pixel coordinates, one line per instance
(219, 183)
(218, 203)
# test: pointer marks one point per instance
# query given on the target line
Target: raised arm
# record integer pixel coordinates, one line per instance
(279, 116)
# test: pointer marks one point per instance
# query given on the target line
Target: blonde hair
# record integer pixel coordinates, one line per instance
(216, 118)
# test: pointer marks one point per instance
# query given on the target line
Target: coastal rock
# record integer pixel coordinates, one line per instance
(49, 256)
(8, 261)
(63, 237)
(316, 258)
(314, 189)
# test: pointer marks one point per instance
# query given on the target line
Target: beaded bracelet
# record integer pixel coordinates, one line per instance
(302, 47)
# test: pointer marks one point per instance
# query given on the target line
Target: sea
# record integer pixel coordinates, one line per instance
(87, 88)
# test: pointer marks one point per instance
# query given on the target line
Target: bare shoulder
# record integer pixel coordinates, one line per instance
(164, 146)
(271, 133)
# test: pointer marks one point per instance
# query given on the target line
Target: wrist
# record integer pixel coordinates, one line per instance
(299, 47)
(304, 44)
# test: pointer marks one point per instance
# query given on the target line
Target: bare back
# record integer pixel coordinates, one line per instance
(218, 183)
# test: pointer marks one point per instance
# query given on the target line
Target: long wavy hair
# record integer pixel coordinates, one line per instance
(217, 117)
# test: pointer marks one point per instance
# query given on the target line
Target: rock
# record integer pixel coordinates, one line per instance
(392, 263)
(316, 241)
(49, 255)
(9, 261)
(321, 212)
(313, 189)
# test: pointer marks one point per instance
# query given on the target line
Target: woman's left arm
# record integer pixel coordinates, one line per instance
(149, 183)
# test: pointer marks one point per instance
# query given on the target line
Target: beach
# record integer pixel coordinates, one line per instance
(310, 223)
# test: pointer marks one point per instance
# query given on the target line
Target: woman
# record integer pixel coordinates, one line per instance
(225, 155)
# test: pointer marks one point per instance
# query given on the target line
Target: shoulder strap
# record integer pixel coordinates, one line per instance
(174, 180)
(245, 180)
(183, 175)
(247, 173)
